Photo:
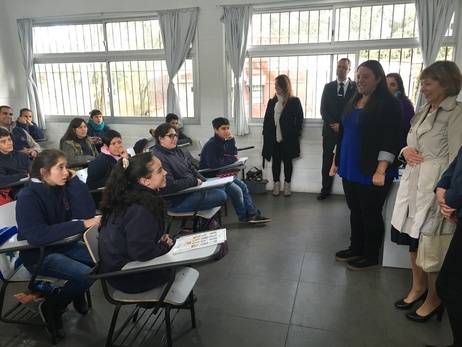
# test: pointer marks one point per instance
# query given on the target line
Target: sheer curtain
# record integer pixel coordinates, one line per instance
(433, 19)
(178, 28)
(237, 22)
(27, 55)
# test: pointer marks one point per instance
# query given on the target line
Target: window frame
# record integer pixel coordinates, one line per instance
(107, 57)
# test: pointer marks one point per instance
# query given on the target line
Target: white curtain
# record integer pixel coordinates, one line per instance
(27, 55)
(433, 19)
(237, 21)
(178, 28)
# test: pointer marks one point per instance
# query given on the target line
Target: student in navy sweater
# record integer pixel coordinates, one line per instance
(221, 150)
(25, 121)
(97, 128)
(56, 205)
(133, 222)
(181, 174)
(14, 165)
(112, 152)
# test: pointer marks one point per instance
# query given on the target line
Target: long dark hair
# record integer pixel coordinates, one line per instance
(70, 132)
(45, 160)
(399, 82)
(123, 190)
(380, 93)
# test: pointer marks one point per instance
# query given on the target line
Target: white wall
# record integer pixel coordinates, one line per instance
(307, 176)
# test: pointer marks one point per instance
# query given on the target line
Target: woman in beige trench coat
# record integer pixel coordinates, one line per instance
(433, 142)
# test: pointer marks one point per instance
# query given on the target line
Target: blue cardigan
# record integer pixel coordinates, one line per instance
(46, 214)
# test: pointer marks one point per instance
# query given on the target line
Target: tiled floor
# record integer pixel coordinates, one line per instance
(278, 286)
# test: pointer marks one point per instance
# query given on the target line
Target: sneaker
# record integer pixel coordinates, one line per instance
(258, 218)
(80, 304)
(361, 264)
(52, 317)
(243, 219)
(347, 255)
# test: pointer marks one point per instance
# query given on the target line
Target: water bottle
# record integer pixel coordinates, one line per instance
(50, 289)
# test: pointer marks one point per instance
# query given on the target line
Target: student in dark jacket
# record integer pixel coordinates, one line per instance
(56, 205)
(221, 150)
(14, 165)
(25, 122)
(133, 222)
(181, 174)
(112, 152)
(282, 128)
(182, 138)
(97, 128)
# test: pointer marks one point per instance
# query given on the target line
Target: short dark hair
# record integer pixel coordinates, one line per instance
(348, 61)
(170, 117)
(5, 106)
(109, 135)
(218, 122)
(4, 132)
(95, 112)
(23, 110)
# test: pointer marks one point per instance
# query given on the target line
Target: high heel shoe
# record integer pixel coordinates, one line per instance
(413, 316)
(403, 305)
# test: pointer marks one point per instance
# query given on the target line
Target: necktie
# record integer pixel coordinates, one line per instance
(341, 91)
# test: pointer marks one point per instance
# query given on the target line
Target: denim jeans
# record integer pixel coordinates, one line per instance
(241, 199)
(213, 198)
(73, 266)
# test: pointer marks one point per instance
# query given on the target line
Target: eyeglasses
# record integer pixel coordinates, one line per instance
(172, 136)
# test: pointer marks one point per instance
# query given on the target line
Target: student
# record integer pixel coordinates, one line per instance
(14, 165)
(22, 141)
(181, 174)
(133, 222)
(220, 150)
(97, 128)
(77, 144)
(56, 205)
(25, 121)
(112, 152)
(182, 138)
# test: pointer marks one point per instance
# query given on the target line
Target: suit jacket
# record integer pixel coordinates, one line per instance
(329, 112)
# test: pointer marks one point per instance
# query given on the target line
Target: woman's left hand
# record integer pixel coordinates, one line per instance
(378, 179)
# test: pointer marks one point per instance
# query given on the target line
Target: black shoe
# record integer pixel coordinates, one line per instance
(413, 316)
(50, 316)
(80, 304)
(403, 305)
(258, 218)
(323, 196)
(361, 264)
(347, 254)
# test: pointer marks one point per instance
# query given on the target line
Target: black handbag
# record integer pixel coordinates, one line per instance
(254, 175)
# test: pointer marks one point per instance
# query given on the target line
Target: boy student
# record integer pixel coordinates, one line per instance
(14, 165)
(220, 150)
(182, 138)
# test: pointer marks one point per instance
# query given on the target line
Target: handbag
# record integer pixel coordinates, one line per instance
(254, 175)
(432, 249)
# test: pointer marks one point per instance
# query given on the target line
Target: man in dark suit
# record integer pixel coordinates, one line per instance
(335, 96)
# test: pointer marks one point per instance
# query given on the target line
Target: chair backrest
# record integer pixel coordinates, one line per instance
(91, 237)
(82, 174)
(8, 214)
(132, 151)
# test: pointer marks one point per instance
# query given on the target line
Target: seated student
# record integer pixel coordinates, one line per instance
(25, 121)
(76, 144)
(56, 205)
(173, 120)
(220, 150)
(133, 222)
(112, 152)
(22, 141)
(181, 175)
(97, 128)
(14, 165)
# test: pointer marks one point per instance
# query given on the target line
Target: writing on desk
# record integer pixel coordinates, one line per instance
(199, 240)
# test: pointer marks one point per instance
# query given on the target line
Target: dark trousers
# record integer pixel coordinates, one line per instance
(365, 202)
(278, 157)
(328, 144)
(449, 285)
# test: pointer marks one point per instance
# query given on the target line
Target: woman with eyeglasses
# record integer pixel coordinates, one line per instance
(181, 174)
